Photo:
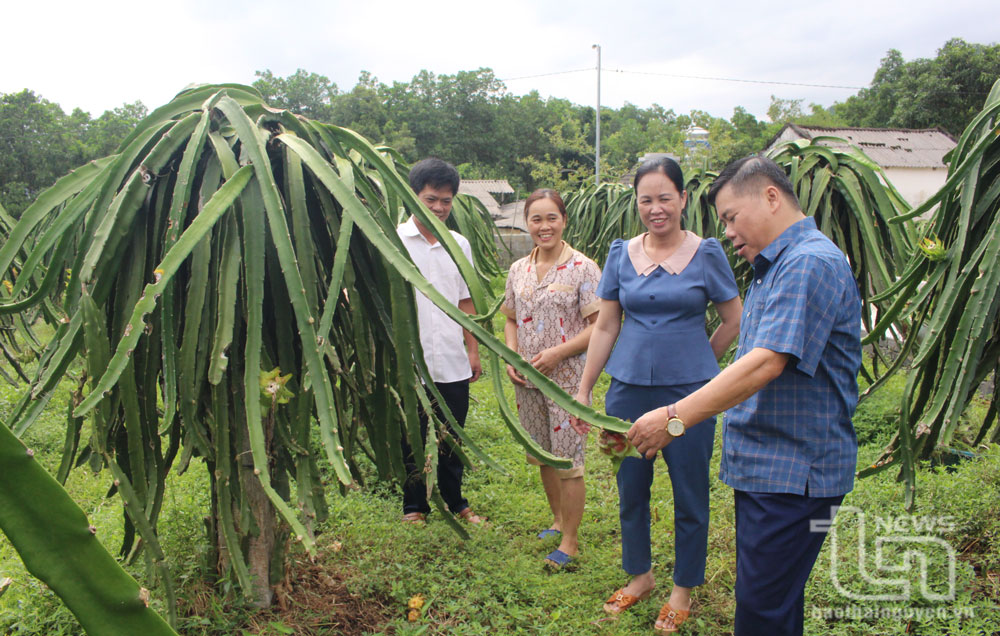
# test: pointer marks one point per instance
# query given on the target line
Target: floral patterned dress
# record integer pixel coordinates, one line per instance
(549, 311)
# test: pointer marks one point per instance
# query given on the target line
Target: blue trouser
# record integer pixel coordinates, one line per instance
(775, 551)
(687, 460)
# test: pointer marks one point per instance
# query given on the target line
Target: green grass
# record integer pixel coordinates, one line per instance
(28, 606)
(495, 583)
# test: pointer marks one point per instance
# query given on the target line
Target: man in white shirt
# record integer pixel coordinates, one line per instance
(451, 353)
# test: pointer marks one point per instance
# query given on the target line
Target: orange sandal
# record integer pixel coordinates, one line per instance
(676, 617)
(467, 515)
(623, 601)
(415, 518)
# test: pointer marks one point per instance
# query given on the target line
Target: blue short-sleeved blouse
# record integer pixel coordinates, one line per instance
(663, 339)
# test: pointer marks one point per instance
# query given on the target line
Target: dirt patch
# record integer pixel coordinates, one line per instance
(987, 581)
(315, 601)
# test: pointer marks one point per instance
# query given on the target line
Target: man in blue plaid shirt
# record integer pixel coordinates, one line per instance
(789, 448)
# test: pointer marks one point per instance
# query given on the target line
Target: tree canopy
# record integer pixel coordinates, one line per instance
(306, 93)
(39, 142)
(946, 91)
(472, 120)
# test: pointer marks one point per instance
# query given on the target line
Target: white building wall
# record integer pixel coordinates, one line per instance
(917, 184)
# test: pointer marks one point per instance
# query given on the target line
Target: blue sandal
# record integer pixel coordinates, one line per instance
(549, 532)
(557, 559)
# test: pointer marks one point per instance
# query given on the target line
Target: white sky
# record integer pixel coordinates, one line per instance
(98, 55)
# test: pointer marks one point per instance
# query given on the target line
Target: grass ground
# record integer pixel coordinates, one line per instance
(369, 565)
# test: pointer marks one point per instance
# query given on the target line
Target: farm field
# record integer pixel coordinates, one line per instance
(216, 310)
(369, 565)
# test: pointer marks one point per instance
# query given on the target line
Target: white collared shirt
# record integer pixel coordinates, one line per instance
(441, 338)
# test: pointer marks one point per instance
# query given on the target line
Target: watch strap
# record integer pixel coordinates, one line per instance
(671, 418)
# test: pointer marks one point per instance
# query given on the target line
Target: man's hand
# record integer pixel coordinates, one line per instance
(580, 426)
(471, 344)
(649, 433)
(477, 366)
(515, 377)
(547, 360)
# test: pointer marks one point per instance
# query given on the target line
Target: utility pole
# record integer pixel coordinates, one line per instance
(597, 135)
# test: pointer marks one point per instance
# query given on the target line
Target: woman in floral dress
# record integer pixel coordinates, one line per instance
(550, 305)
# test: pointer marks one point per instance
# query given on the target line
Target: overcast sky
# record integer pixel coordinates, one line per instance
(98, 55)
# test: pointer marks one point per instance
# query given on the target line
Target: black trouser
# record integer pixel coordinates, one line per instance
(449, 469)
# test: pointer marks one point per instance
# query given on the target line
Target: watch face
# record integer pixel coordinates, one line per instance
(675, 427)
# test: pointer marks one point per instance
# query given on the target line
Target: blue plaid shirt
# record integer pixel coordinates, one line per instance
(796, 433)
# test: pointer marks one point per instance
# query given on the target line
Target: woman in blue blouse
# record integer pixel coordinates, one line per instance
(661, 282)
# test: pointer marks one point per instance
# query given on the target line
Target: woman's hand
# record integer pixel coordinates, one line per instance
(580, 426)
(547, 360)
(515, 377)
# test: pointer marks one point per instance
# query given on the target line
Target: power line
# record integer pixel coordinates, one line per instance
(579, 70)
(696, 77)
(748, 81)
(719, 79)
(730, 79)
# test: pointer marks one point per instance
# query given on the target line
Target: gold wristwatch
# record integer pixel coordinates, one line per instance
(675, 425)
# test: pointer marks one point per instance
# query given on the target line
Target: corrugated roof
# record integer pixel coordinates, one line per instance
(474, 189)
(511, 216)
(493, 186)
(888, 147)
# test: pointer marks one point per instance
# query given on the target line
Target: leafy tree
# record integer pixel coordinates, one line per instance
(874, 106)
(302, 92)
(666, 130)
(400, 139)
(742, 135)
(36, 147)
(623, 147)
(633, 131)
(469, 101)
(946, 91)
(821, 116)
(472, 120)
(364, 109)
(568, 163)
(949, 90)
(784, 111)
(105, 133)
(39, 142)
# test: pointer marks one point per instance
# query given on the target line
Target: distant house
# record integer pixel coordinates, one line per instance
(913, 160)
(513, 232)
(509, 217)
(485, 190)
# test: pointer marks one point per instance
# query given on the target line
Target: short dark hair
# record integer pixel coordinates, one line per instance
(435, 173)
(545, 193)
(666, 165)
(748, 172)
